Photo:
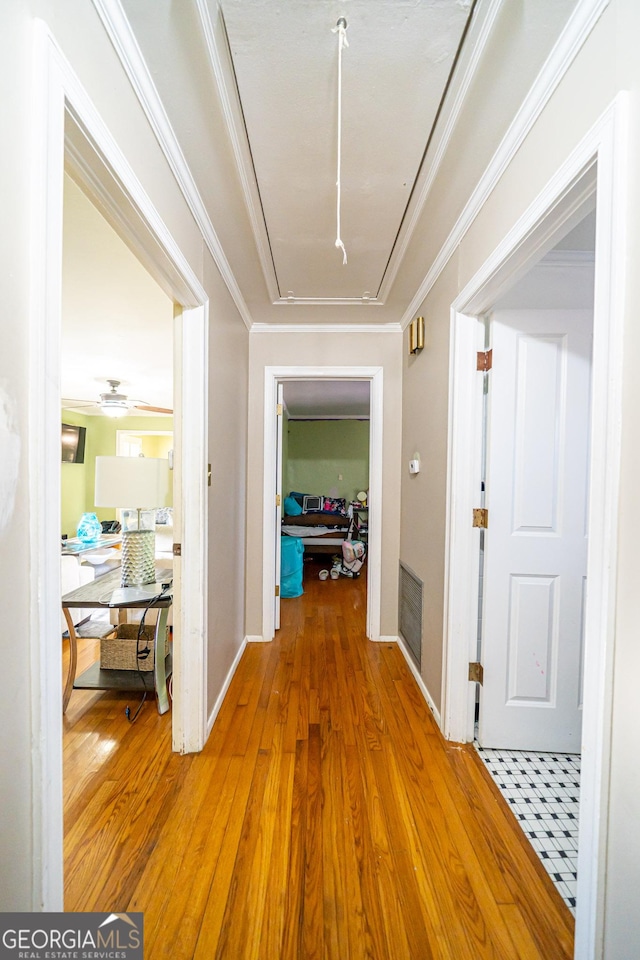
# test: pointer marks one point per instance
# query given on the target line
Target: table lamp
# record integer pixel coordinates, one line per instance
(138, 486)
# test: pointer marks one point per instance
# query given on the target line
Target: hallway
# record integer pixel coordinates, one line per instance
(326, 816)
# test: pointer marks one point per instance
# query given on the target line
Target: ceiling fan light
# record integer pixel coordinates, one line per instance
(114, 408)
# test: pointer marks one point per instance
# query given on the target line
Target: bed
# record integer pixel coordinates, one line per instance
(321, 531)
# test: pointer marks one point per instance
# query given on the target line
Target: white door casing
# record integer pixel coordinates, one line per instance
(59, 96)
(597, 167)
(278, 502)
(536, 543)
(375, 376)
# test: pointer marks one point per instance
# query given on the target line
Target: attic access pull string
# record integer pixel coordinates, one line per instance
(341, 29)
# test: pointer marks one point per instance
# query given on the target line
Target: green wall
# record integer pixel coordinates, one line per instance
(318, 451)
(77, 480)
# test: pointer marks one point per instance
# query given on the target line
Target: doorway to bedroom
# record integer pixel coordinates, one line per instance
(276, 379)
(325, 481)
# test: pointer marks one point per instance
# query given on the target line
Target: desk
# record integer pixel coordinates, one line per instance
(96, 594)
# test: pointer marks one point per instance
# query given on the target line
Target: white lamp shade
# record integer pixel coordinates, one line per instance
(140, 482)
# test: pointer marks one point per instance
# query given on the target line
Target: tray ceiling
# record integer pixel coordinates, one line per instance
(285, 63)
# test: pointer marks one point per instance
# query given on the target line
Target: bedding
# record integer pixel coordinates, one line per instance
(321, 532)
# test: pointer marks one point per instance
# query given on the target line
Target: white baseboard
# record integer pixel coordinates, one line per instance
(255, 638)
(385, 640)
(421, 684)
(225, 687)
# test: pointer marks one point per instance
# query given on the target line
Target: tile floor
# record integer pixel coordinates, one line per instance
(543, 790)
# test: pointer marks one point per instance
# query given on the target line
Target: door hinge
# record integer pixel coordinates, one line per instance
(278, 499)
(209, 475)
(277, 590)
(485, 360)
(481, 517)
(476, 673)
(279, 410)
(177, 549)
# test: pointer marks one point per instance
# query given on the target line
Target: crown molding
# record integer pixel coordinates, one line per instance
(236, 128)
(578, 27)
(472, 52)
(568, 258)
(325, 328)
(119, 30)
(92, 132)
(171, 271)
(327, 301)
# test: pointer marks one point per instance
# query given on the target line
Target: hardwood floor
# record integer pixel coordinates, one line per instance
(325, 818)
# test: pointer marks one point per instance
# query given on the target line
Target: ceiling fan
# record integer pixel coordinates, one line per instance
(112, 403)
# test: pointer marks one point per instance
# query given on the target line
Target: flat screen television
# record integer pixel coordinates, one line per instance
(73, 438)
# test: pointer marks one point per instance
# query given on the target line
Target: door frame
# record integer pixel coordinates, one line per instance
(66, 127)
(593, 176)
(272, 377)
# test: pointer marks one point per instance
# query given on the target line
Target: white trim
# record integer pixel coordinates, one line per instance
(225, 687)
(375, 375)
(325, 328)
(93, 171)
(93, 149)
(255, 638)
(389, 639)
(421, 684)
(56, 90)
(580, 24)
(610, 267)
(605, 147)
(568, 258)
(43, 634)
(119, 31)
(291, 301)
(101, 152)
(191, 361)
(462, 548)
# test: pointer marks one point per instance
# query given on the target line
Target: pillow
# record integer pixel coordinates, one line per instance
(334, 505)
(291, 507)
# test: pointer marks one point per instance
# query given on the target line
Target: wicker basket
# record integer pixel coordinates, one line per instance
(119, 652)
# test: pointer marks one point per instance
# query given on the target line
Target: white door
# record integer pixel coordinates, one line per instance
(278, 503)
(536, 543)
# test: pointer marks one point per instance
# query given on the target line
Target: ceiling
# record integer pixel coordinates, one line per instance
(285, 63)
(245, 98)
(327, 399)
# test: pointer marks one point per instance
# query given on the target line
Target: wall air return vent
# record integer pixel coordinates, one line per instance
(410, 611)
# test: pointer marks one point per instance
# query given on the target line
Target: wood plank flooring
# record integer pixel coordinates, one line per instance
(326, 817)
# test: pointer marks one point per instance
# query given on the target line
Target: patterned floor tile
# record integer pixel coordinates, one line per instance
(543, 790)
